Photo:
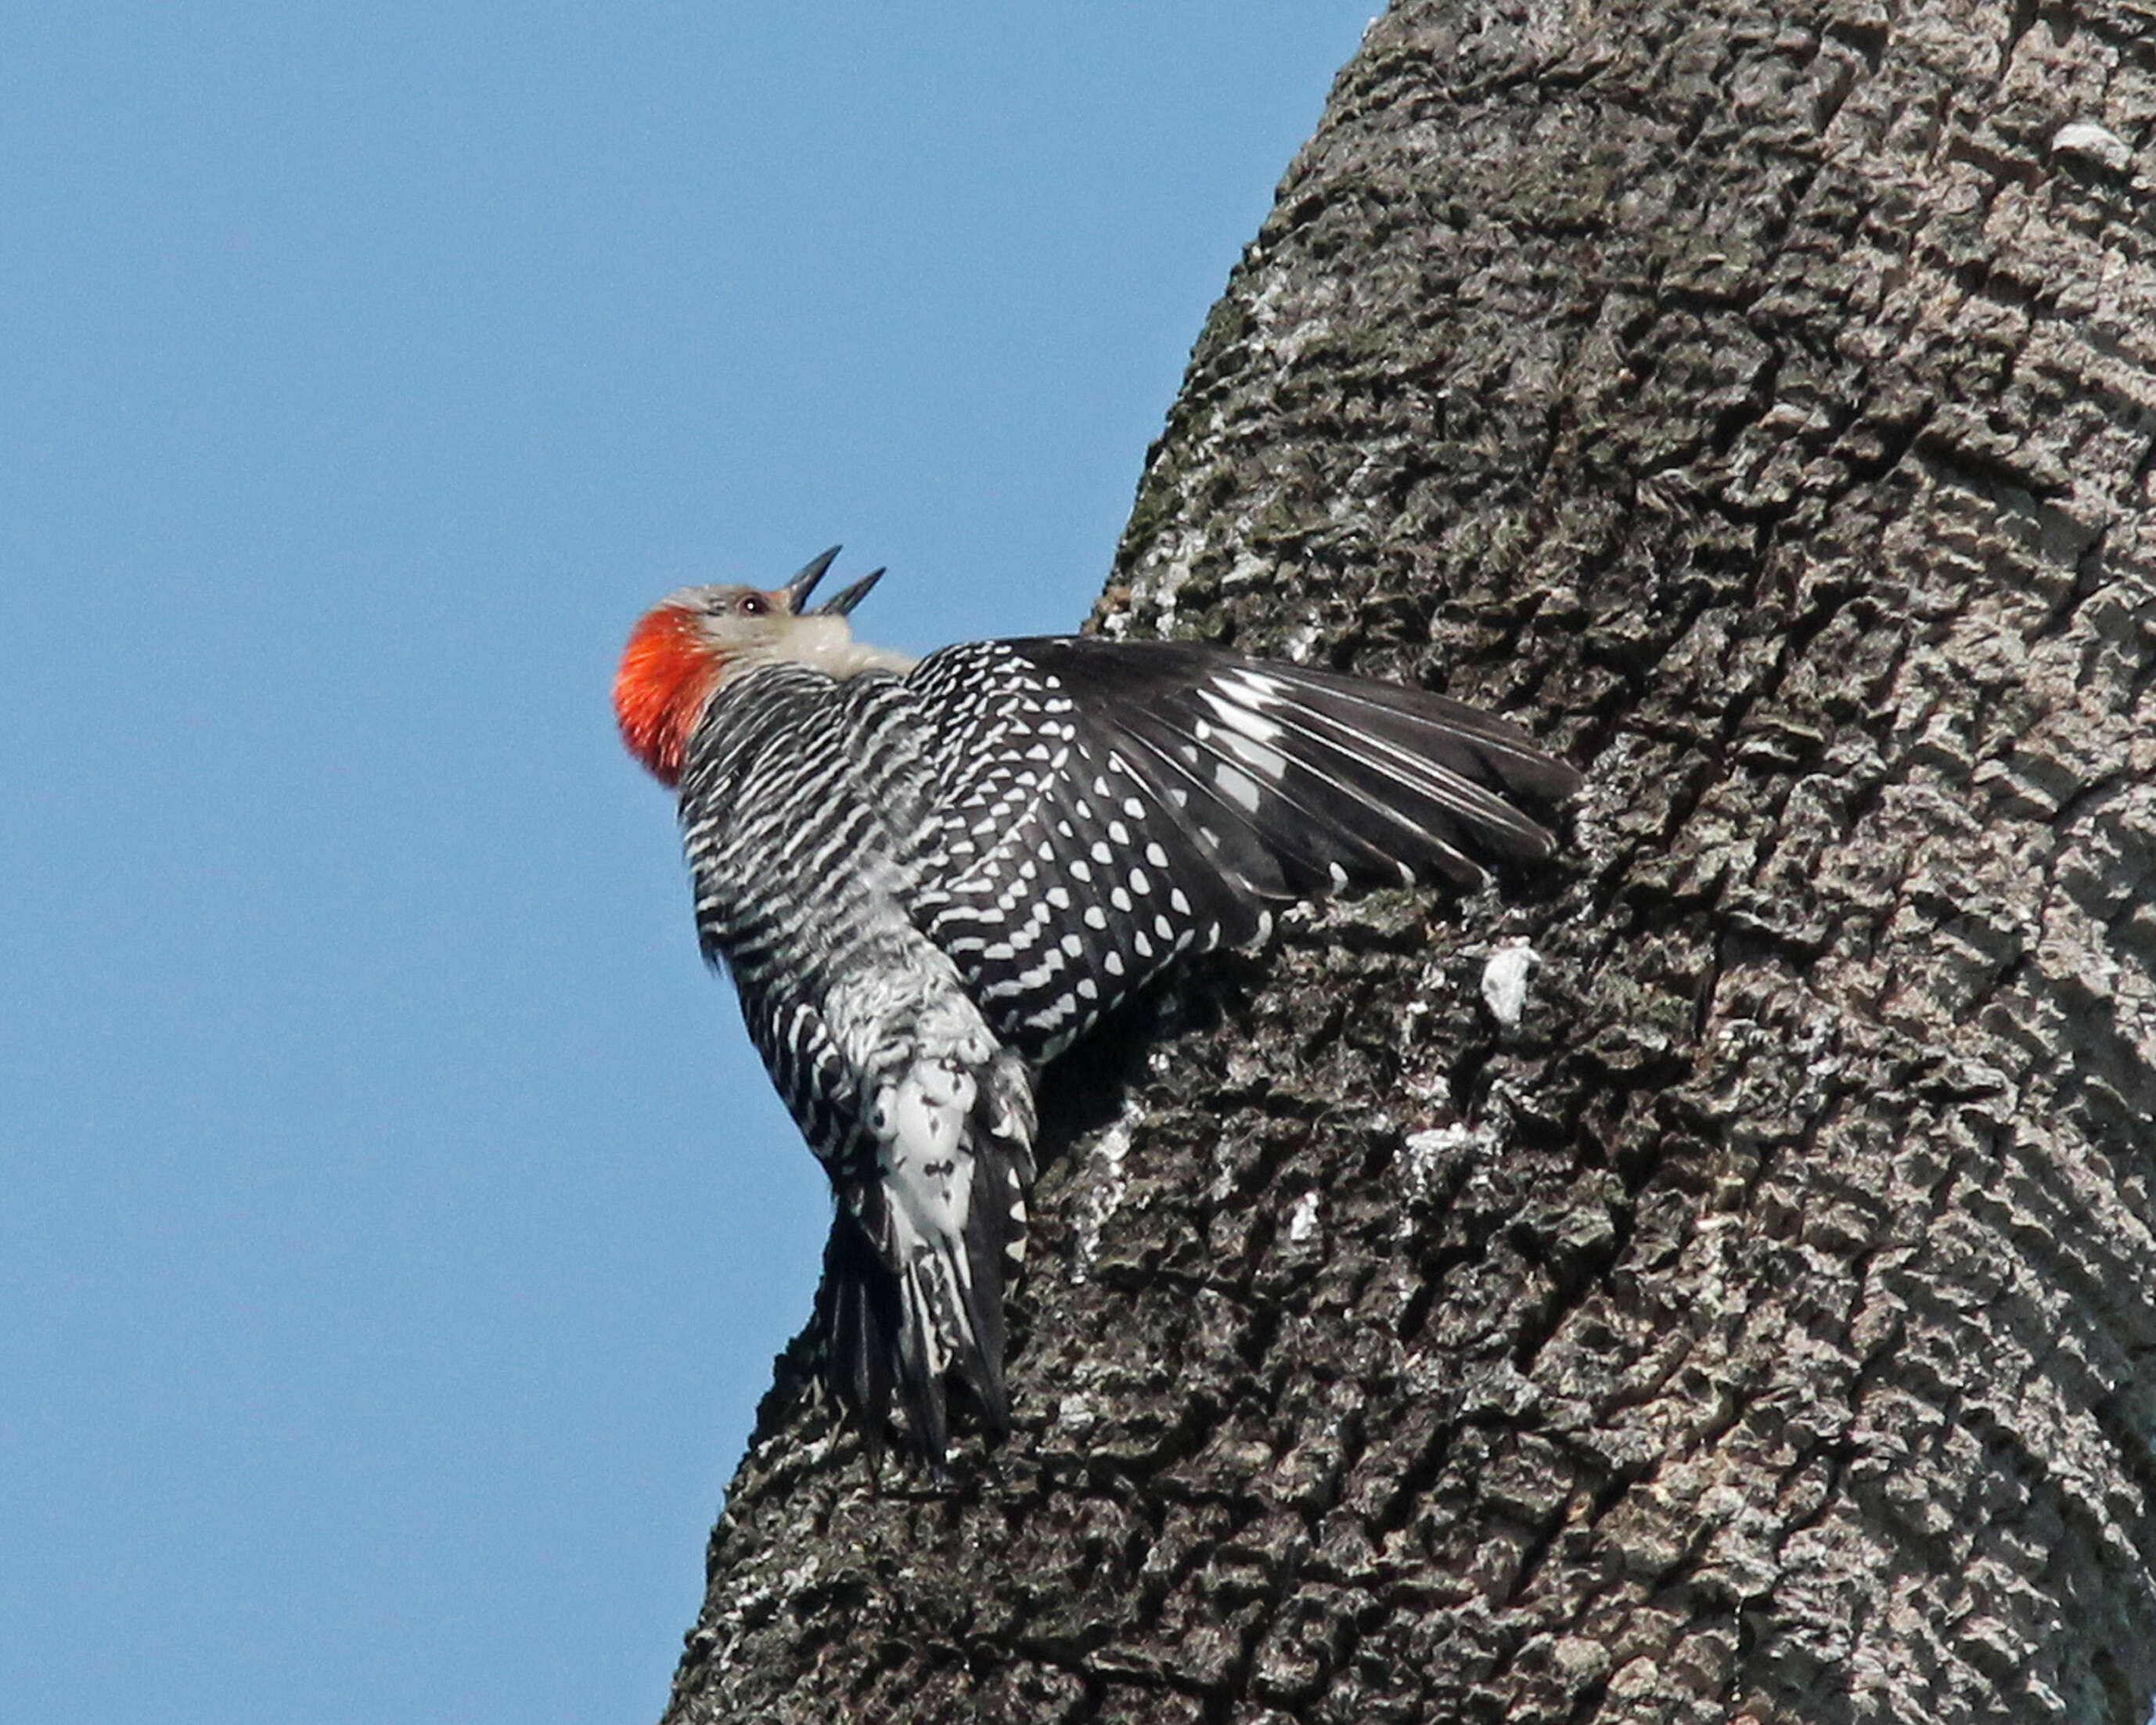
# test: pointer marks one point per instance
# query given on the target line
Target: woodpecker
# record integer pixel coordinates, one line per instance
(929, 877)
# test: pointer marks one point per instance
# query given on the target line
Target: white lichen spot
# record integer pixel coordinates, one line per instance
(1426, 1150)
(1458, 1158)
(1302, 1219)
(1816, 1044)
(1432, 1088)
(1607, 798)
(1550, 25)
(1104, 1191)
(1505, 982)
(1286, 315)
(2088, 141)
(1161, 575)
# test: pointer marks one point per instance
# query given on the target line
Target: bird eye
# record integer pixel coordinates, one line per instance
(752, 604)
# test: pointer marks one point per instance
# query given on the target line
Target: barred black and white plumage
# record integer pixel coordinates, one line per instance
(928, 879)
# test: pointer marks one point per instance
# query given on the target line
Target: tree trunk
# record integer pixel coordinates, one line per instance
(1761, 1324)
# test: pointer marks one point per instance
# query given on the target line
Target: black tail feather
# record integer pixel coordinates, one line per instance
(857, 1324)
(894, 1330)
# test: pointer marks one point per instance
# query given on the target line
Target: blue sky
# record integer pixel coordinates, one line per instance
(397, 1230)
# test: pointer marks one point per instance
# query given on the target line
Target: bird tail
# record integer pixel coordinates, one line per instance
(923, 1248)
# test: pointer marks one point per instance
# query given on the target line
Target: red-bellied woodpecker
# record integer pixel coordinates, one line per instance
(927, 878)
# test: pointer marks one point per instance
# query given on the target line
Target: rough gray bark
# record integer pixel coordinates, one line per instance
(1764, 404)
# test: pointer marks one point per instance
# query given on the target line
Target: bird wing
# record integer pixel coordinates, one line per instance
(1101, 807)
(1329, 780)
(1057, 885)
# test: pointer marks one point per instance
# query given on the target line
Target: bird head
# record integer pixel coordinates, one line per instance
(693, 643)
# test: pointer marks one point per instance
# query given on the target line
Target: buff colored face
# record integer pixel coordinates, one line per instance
(676, 659)
(693, 642)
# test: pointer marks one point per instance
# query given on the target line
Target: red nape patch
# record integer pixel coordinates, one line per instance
(667, 674)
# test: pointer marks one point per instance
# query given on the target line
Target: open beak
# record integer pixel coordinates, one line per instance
(839, 603)
(796, 592)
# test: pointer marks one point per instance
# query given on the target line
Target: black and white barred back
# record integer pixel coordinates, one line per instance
(926, 886)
